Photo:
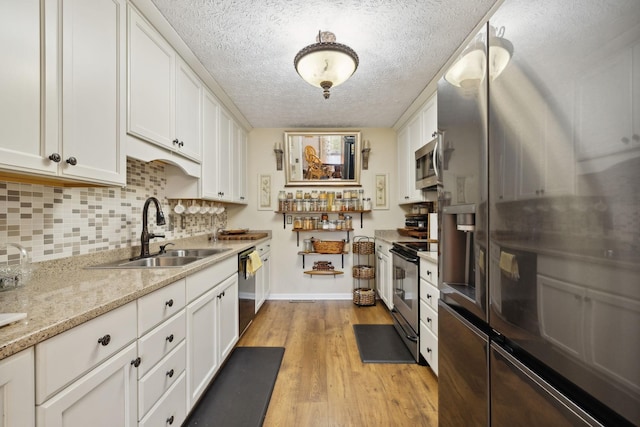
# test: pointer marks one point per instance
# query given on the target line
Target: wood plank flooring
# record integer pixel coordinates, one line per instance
(322, 381)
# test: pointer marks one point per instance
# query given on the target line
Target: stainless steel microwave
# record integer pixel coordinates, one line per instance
(427, 165)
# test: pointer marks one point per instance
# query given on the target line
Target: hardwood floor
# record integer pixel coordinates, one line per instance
(322, 381)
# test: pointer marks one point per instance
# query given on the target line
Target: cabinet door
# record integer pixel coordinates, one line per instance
(559, 157)
(202, 354)
(17, 390)
(210, 145)
(561, 314)
(531, 152)
(22, 145)
(105, 397)
(403, 172)
(225, 157)
(240, 165)
(604, 117)
(429, 120)
(93, 89)
(263, 280)
(227, 295)
(188, 112)
(611, 352)
(151, 83)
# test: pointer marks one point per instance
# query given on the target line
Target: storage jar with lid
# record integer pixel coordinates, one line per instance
(308, 245)
(348, 222)
(306, 223)
(297, 222)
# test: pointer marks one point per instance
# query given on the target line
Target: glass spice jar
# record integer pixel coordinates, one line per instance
(306, 223)
(297, 223)
(348, 222)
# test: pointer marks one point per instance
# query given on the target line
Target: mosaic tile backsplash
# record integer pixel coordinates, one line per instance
(59, 222)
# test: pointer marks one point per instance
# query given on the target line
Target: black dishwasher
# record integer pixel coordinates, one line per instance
(246, 291)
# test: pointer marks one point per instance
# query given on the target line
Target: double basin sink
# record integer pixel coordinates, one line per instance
(168, 259)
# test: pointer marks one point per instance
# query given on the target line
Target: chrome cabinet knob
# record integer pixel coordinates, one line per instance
(55, 157)
(72, 161)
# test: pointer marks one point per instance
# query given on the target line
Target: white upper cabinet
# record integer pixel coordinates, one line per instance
(68, 86)
(225, 157)
(151, 80)
(209, 178)
(609, 90)
(22, 145)
(93, 90)
(188, 111)
(239, 171)
(411, 137)
(165, 95)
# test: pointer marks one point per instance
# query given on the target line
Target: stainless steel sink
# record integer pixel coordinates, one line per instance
(200, 253)
(160, 261)
(170, 259)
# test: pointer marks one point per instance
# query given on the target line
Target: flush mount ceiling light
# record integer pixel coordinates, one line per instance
(469, 69)
(326, 64)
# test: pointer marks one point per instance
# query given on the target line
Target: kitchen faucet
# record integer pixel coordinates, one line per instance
(144, 238)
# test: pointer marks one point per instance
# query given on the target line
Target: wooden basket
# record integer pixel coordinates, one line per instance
(363, 272)
(364, 296)
(363, 248)
(328, 246)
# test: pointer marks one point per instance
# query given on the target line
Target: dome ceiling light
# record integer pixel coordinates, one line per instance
(469, 70)
(326, 64)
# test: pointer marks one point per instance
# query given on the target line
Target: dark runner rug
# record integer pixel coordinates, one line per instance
(381, 344)
(240, 394)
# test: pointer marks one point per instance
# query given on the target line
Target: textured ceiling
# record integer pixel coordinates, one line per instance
(248, 47)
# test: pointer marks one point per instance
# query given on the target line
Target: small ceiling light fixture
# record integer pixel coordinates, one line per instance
(326, 64)
(469, 69)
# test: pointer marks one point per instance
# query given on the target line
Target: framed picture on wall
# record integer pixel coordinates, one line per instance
(381, 186)
(264, 192)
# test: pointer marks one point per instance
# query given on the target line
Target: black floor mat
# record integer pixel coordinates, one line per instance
(240, 394)
(381, 344)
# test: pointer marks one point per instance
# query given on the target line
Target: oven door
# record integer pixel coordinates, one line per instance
(405, 288)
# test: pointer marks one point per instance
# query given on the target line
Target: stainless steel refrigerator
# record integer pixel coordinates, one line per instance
(539, 318)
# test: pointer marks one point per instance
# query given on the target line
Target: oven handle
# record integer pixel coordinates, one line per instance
(410, 337)
(413, 260)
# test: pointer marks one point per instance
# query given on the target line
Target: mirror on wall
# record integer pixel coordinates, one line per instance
(322, 158)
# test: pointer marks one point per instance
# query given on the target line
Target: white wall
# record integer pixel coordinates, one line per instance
(288, 279)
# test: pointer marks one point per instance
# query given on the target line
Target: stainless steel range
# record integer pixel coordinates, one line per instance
(406, 278)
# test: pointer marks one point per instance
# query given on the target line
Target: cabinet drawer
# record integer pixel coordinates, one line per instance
(200, 282)
(429, 272)
(429, 294)
(264, 248)
(160, 341)
(429, 347)
(429, 317)
(160, 378)
(158, 306)
(63, 358)
(171, 409)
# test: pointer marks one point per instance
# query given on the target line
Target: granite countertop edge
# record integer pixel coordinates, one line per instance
(63, 293)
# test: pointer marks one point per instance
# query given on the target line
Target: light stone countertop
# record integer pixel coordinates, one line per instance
(63, 293)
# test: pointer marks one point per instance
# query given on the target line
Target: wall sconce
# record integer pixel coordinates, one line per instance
(365, 155)
(277, 148)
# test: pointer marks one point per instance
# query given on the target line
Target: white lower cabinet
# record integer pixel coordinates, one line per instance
(263, 275)
(104, 397)
(429, 295)
(212, 329)
(17, 390)
(161, 350)
(171, 409)
(383, 273)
